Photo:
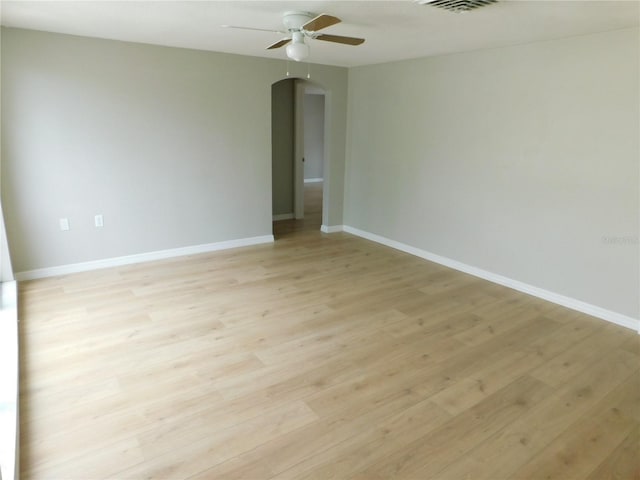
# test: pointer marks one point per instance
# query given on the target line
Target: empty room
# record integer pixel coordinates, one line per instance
(361, 240)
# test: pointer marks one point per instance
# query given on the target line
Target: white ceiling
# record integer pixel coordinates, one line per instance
(394, 30)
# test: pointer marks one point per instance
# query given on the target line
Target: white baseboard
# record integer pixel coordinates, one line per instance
(572, 303)
(142, 257)
(331, 228)
(283, 216)
(313, 180)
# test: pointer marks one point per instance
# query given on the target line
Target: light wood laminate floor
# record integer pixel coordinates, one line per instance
(320, 356)
(312, 213)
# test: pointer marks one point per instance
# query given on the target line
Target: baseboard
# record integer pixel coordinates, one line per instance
(331, 228)
(282, 216)
(313, 180)
(139, 258)
(572, 303)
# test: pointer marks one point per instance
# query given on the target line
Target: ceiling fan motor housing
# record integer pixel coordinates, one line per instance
(293, 21)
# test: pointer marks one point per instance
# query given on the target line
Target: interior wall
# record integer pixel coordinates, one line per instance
(313, 135)
(172, 146)
(6, 272)
(282, 143)
(521, 161)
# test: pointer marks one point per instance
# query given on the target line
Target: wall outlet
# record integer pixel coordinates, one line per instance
(64, 224)
(98, 220)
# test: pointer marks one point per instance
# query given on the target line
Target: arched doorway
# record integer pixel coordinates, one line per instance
(298, 118)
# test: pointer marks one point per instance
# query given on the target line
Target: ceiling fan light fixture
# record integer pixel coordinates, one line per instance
(297, 50)
(301, 25)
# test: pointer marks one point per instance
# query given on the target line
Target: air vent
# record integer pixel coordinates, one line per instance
(457, 6)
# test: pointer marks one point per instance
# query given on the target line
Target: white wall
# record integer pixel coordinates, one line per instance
(313, 135)
(521, 161)
(172, 146)
(6, 271)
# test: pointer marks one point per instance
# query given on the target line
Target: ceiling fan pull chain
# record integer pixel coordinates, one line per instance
(308, 70)
(288, 74)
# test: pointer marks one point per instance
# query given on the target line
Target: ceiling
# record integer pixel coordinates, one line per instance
(394, 30)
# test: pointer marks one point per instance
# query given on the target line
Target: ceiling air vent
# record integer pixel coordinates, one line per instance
(457, 6)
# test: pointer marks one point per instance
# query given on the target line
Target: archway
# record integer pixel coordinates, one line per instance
(299, 140)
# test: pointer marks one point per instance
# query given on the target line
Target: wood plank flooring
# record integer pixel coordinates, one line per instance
(321, 356)
(312, 213)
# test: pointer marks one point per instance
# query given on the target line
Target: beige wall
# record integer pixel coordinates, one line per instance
(521, 161)
(6, 272)
(172, 146)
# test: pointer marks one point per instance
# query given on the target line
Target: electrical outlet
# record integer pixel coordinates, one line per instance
(64, 224)
(99, 221)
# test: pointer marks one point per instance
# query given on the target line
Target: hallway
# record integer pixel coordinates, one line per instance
(312, 213)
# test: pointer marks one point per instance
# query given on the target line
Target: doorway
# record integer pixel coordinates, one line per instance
(313, 139)
(298, 156)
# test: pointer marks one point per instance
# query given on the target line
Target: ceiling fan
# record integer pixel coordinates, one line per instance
(301, 25)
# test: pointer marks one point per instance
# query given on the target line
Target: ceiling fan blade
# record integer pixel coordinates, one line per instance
(279, 43)
(339, 39)
(251, 28)
(321, 21)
